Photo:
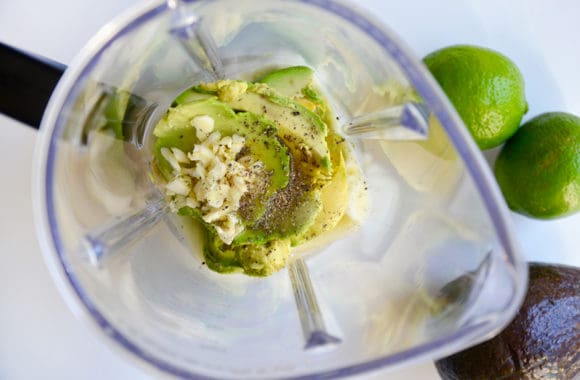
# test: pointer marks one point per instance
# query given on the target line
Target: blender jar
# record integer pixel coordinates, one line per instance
(433, 269)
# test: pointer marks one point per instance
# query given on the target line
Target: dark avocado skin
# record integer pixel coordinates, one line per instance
(542, 342)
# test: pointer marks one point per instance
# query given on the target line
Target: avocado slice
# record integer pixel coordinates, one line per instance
(334, 199)
(290, 212)
(253, 259)
(289, 81)
(542, 341)
(189, 96)
(262, 144)
(297, 83)
(218, 256)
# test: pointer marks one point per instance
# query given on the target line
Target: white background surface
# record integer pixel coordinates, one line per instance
(40, 338)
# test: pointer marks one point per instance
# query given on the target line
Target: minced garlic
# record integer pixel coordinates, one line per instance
(212, 178)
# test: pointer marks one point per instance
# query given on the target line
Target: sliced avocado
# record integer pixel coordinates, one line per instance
(542, 341)
(296, 125)
(297, 208)
(334, 199)
(253, 259)
(297, 83)
(189, 96)
(289, 81)
(334, 196)
(263, 260)
(284, 115)
(220, 257)
(311, 94)
(290, 211)
(262, 144)
(225, 90)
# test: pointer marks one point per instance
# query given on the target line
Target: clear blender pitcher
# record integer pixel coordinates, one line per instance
(433, 268)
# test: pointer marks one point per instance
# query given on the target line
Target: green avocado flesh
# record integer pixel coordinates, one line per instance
(284, 122)
(289, 81)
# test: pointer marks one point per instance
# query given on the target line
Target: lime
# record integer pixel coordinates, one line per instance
(538, 169)
(486, 89)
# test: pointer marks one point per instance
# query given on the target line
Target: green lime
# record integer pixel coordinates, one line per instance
(538, 169)
(486, 89)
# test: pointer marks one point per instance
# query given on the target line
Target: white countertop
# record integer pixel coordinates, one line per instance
(39, 336)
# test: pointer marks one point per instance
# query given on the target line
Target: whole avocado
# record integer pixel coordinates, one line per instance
(542, 342)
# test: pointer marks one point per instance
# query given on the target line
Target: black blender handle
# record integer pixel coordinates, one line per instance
(26, 83)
